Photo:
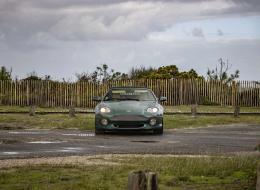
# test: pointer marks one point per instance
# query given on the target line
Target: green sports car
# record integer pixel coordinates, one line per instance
(129, 108)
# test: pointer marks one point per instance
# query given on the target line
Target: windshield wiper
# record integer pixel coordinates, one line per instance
(112, 99)
(135, 99)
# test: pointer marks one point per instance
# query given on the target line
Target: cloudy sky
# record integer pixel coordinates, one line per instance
(64, 37)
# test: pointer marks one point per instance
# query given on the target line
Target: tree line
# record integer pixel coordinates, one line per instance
(103, 73)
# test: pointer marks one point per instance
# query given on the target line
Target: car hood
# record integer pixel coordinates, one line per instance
(129, 107)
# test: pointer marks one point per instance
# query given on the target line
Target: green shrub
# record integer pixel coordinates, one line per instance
(205, 101)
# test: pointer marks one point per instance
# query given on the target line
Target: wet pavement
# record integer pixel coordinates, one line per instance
(48, 143)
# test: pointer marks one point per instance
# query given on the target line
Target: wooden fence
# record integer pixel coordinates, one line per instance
(177, 91)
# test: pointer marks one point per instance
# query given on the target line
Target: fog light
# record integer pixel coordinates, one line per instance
(104, 121)
(153, 121)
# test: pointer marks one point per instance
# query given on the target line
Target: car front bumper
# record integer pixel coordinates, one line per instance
(128, 122)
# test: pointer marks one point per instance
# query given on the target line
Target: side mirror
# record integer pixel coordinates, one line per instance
(96, 98)
(162, 99)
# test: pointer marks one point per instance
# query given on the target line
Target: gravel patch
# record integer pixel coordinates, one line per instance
(59, 161)
(105, 159)
(11, 126)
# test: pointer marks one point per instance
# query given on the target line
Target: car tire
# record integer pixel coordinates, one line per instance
(99, 132)
(158, 131)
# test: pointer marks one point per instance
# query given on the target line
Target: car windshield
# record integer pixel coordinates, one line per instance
(129, 94)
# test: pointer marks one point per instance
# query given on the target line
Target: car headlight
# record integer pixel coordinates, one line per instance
(104, 121)
(153, 121)
(105, 110)
(152, 110)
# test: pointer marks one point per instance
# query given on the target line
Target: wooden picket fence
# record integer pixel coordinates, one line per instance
(177, 91)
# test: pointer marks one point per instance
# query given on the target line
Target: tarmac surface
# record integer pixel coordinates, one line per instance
(52, 143)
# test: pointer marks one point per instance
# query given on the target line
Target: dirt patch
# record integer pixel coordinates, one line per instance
(9, 141)
(104, 159)
(59, 161)
(146, 141)
(11, 126)
(257, 148)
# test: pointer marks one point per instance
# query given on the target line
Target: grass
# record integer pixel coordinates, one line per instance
(180, 173)
(179, 109)
(39, 109)
(51, 121)
(86, 121)
(185, 121)
(211, 109)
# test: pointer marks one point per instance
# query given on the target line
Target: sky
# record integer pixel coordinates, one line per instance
(64, 37)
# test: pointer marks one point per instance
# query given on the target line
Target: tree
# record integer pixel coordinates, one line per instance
(5, 74)
(169, 71)
(221, 72)
(32, 76)
(101, 74)
(164, 72)
(141, 72)
(83, 77)
(47, 78)
(191, 74)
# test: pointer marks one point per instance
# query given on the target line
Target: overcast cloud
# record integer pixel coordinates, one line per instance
(61, 37)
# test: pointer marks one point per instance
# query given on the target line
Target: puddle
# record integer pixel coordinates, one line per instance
(25, 132)
(11, 153)
(144, 141)
(74, 148)
(172, 142)
(9, 141)
(46, 142)
(6, 126)
(65, 150)
(103, 146)
(71, 149)
(80, 134)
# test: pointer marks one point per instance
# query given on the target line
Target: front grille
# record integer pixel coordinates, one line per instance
(129, 126)
(129, 121)
(129, 118)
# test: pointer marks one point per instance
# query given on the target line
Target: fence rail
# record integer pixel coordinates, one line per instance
(177, 91)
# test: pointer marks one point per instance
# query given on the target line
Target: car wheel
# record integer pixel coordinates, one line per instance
(99, 132)
(158, 131)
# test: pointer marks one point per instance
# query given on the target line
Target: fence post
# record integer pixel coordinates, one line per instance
(1, 92)
(180, 91)
(236, 100)
(32, 111)
(140, 180)
(78, 94)
(258, 178)
(137, 181)
(152, 182)
(72, 111)
(194, 110)
(234, 92)
(237, 111)
(27, 93)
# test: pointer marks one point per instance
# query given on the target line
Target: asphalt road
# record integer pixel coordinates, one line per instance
(47, 143)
